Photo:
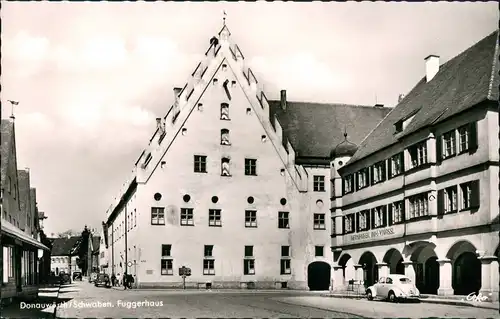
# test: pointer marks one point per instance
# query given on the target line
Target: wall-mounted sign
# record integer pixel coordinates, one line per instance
(375, 234)
(129, 264)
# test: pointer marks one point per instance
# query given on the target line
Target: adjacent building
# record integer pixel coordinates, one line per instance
(232, 185)
(64, 254)
(419, 195)
(22, 250)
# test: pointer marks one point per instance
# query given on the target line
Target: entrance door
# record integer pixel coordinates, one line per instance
(467, 274)
(431, 276)
(17, 267)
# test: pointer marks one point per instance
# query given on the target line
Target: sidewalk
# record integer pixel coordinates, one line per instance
(41, 307)
(451, 300)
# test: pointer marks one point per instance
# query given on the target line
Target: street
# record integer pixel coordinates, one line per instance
(85, 300)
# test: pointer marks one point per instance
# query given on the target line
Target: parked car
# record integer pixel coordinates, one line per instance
(77, 276)
(93, 277)
(393, 288)
(64, 278)
(103, 280)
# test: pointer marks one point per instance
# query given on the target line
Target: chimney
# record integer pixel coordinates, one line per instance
(431, 67)
(379, 105)
(283, 100)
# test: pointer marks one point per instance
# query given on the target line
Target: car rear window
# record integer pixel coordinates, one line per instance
(405, 280)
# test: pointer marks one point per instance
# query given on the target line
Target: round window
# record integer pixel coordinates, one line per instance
(283, 201)
(186, 198)
(215, 199)
(157, 196)
(250, 200)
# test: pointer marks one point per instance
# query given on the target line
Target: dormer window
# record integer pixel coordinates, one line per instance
(214, 81)
(225, 167)
(224, 137)
(224, 67)
(401, 125)
(224, 111)
(233, 84)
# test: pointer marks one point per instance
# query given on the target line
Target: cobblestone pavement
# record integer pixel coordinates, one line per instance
(378, 309)
(91, 302)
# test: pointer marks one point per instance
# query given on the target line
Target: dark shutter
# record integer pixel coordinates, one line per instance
(343, 185)
(475, 194)
(372, 180)
(372, 217)
(440, 202)
(473, 137)
(389, 215)
(355, 180)
(439, 148)
(384, 215)
(389, 168)
(384, 170)
(343, 225)
(357, 222)
(403, 210)
(352, 224)
(368, 219)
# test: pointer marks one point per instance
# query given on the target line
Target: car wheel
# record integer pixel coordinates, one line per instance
(369, 295)
(392, 296)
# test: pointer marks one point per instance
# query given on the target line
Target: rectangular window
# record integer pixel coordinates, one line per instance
(396, 165)
(208, 267)
(469, 193)
(285, 267)
(208, 251)
(250, 166)
(285, 251)
(362, 178)
(187, 217)
(214, 217)
(319, 221)
(397, 212)
(251, 218)
(379, 216)
(167, 267)
(319, 251)
(200, 164)
(349, 224)
(467, 137)
(6, 264)
(418, 154)
(378, 172)
(319, 183)
(249, 267)
(418, 206)
(248, 251)
(448, 144)
(283, 220)
(364, 220)
(157, 216)
(450, 199)
(348, 182)
(166, 250)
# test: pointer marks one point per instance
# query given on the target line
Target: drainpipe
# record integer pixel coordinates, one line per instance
(126, 231)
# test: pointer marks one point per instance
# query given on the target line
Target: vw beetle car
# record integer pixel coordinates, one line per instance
(394, 288)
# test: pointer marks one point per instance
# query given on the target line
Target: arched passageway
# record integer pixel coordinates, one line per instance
(426, 267)
(394, 260)
(348, 271)
(466, 270)
(370, 269)
(318, 276)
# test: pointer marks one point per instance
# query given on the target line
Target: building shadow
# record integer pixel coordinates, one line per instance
(32, 308)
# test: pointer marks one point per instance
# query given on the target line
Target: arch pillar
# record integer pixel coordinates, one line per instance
(489, 277)
(445, 277)
(383, 270)
(358, 270)
(338, 278)
(409, 269)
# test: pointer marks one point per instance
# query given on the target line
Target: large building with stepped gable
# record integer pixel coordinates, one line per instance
(232, 185)
(420, 195)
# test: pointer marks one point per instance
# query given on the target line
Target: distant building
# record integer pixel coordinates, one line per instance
(233, 185)
(93, 253)
(420, 195)
(20, 228)
(64, 254)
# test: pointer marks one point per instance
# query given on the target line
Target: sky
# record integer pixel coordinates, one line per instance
(91, 78)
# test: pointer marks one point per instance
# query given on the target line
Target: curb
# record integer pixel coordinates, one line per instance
(425, 300)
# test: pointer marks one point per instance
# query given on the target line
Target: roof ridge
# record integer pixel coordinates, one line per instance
(493, 69)
(328, 103)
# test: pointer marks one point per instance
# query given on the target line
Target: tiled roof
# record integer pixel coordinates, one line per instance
(314, 129)
(461, 83)
(63, 246)
(7, 131)
(24, 192)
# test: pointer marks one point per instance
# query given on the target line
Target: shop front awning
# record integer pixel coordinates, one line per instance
(12, 231)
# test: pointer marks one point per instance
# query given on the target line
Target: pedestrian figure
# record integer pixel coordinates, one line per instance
(113, 279)
(118, 279)
(125, 284)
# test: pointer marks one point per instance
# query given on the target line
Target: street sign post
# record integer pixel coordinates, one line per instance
(184, 272)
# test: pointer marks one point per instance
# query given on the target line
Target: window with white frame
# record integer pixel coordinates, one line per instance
(251, 218)
(167, 267)
(157, 216)
(349, 224)
(418, 206)
(283, 220)
(448, 144)
(348, 182)
(379, 218)
(397, 212)
(214, 217)
(285, 262)
(450, 199)
(318, 183)
(362, 178)
(363, 221)
(319, 221)
(418, 154)
(187, 217)
(469, 193)
(208, 261)
(378, 172)
(465, 137)
(249, 261)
